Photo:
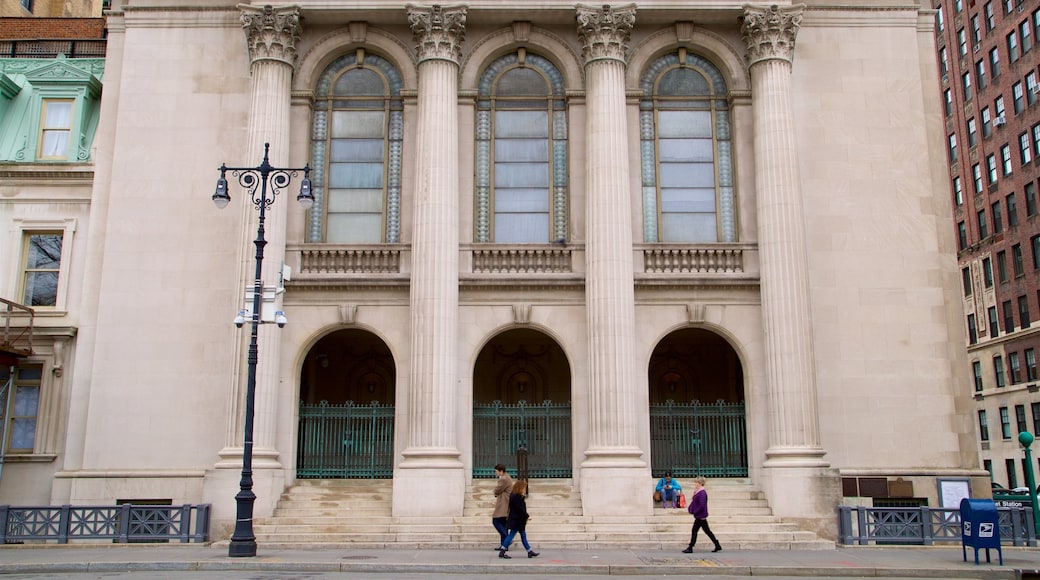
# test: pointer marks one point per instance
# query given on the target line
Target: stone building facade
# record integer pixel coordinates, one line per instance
(629, 239)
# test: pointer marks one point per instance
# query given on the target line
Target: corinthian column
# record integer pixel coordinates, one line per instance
(271, 36)
(431, 457)
(614, 474)
(794, 429)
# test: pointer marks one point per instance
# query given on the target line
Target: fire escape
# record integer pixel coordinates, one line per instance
(15, 344)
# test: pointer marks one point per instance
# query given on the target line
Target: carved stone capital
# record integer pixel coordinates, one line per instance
(272, 33)
(605, 31)
(769, 33)
(438, 31)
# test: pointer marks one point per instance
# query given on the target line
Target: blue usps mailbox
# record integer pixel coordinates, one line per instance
(980, 528)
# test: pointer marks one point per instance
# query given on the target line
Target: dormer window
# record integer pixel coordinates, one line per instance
(55, 129)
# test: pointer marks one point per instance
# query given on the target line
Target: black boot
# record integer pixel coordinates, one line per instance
(532, 554)
(502, 554)
(718, 548)
(688, 550)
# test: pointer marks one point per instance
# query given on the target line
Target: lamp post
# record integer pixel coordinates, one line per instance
(255, 181)
(1025, 438)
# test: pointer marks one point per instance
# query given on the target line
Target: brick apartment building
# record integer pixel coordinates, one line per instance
(988, 56)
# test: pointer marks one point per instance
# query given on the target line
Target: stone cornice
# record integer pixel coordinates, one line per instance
(272, 33)
(769, 33)
(438, 32)
(605, 31)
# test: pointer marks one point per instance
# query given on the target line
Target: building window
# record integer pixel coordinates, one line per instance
(55, 129)
(1020, 418)
(1030, 364)
(944, 61)
(991, 169)
(966, 84)
(966, 280)
(1009, 316)
(1031, 87)
(689, 198)
(939, 18)
(962, 43)
(987, 121)
(983, 427)
(982, 223)
(952, 139)
(973, 333)
(1017, 94)
(1012, 210)
(1035, 242)
(42, 265)
(958, 191)
(522, 181)
(1005, 158)
(1025, 148)
(28, 5)
(987, 10)
(1012, 46)
(1023, 311)
(976, 177)
(24, 409)
(1009, 465)
(998, 370)
(987, 272)
(357, 142)
(1030, 189)
(1016, 260)
(973, 134)
(976, 31)
(948, 102)
(980, 73)
(994, 329)
(994, 62)
(1009, 6)
(998, 221)
(1015, 370)
(1035, 408)
(1035, 131)
(1027, 37)
(976, 370)
(1005, 425)
(1002, 271)
(962, 235)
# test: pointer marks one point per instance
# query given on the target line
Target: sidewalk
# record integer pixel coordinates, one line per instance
(920, 562)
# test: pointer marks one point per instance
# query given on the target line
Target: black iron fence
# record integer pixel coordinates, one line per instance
(924, 526)
(121, 524)
(46, 48)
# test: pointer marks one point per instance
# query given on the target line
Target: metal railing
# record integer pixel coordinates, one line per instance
(925, 526)
(51, 48)
(348, 440)
(121, 523)
(16, 340)
(542, 429)
(690, 439)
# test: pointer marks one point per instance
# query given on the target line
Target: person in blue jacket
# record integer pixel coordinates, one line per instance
(669, 490)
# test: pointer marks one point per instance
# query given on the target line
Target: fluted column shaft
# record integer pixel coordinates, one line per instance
(613, 377)
(434, 288)
(794, 433)
(271, 36)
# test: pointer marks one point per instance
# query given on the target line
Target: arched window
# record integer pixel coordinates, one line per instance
(521, 139)
(356, 143)
(686, 152)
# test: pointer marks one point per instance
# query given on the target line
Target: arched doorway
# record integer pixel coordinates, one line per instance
(346, 423)
(697, 417)
(522, 406)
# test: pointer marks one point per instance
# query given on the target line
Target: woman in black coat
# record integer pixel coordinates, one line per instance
(517, 520)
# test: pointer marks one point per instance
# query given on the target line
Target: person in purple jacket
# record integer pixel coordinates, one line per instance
(699, 509)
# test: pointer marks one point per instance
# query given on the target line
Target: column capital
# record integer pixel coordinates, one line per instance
(605, 31)
(438, 31)
(272, 33)
(769, 33)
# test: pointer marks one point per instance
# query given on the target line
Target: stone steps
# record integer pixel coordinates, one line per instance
(357, 514)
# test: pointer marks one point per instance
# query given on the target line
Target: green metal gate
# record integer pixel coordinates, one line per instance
(699, 439)
(345, 441)
(544, 429)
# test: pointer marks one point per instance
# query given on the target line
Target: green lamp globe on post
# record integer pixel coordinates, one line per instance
(1025, 439)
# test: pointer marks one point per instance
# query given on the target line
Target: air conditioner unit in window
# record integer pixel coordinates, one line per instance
(1035, 89)
(976, 48)
(999, 122)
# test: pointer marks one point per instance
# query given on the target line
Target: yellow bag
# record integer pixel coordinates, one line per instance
(657, 496)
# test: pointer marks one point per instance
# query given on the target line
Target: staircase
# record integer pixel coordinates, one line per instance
(356, 514)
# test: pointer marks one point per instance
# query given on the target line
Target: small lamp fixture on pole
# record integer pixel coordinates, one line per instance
(255, 180)
(1025, 438)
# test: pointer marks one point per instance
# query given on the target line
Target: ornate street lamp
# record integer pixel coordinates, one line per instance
(1025, 439)
(252, 179)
